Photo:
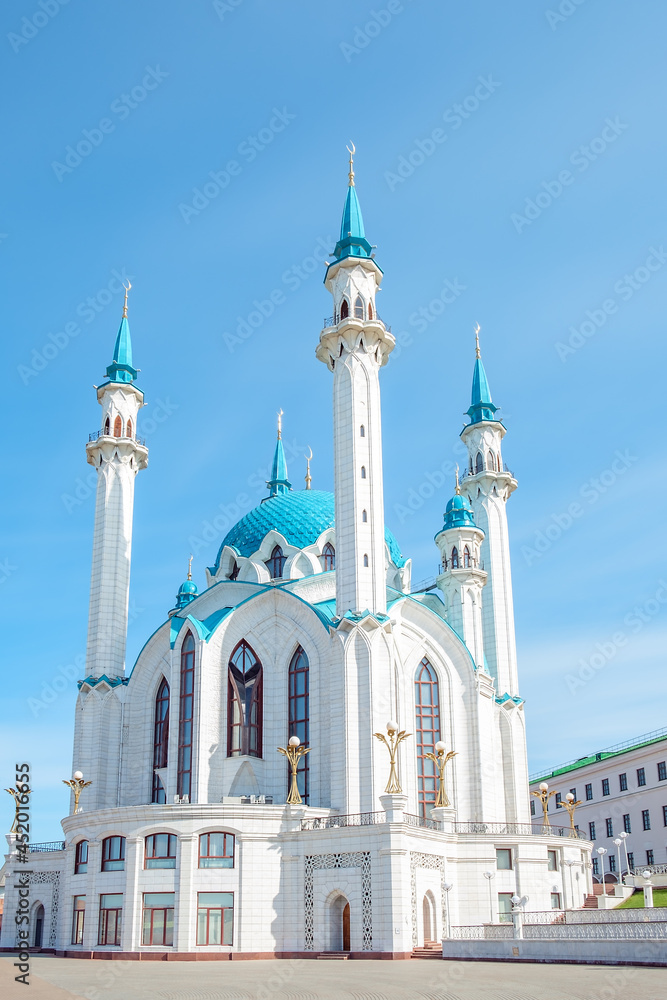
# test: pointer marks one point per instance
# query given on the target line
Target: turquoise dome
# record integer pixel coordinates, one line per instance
(300, 515)
(186, 593)
(459, 514)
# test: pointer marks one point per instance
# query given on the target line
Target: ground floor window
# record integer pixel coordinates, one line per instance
(215, 917)
(111, 911)
(555, 901)
(158, 920)
(505, 907)
(77, 919)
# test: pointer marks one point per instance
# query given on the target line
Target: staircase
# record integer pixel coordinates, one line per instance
(591, 903)
(341, 956)
(431, 949)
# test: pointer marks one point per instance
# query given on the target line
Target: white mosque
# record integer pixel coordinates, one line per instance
(184, 844)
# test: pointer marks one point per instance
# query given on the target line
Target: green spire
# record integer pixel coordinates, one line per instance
(121, 369)
(481, 404)
(352, 242)
(279, 483)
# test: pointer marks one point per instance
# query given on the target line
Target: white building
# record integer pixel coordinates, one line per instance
(306, 627)
(623, 795)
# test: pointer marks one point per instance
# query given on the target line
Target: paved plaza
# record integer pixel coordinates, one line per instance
(68, 979)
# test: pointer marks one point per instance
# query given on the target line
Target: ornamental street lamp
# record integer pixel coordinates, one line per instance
(618, 843)
(602, 851)
(624, 838)
(447, 887)
(489, 876)
(77, 785)
(441, 763)
(571, 805)
(294, 752)
(20, 798)
(395, 738)
(543, 794)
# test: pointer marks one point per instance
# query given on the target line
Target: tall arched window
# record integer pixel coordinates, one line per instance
(344, 309)
(455, 558)
(107, 427)
(160, 740)
(363, 471)
(276, 563)
(358, 308)
(370, 311)
(128, 429)
(299, 714)
(366, 562)
(364, 516)
(329, 557)
(234, 570)
(362, 431)
(479, 462)
(186, 716)
(244, 703)
(117, 427)
(466, 558)
(427, 731)
(492, 461)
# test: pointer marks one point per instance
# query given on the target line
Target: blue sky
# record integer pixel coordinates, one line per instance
(518, 154)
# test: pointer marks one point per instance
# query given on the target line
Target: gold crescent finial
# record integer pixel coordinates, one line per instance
(351, 173)
(458, 488)
(190, 569)
(477, 350)
(308, 475)
(127, 287)
(280, 424)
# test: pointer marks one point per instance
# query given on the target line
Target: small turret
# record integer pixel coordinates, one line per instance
(279, 483)
(187, 590)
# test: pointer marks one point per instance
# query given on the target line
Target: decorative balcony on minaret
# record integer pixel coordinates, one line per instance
(355, 345)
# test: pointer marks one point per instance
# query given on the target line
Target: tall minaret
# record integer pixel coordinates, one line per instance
(354, 345)
(488, 484)
(117, 455)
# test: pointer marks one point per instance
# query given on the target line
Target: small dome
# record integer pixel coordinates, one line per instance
(186, 593)
(459, 513)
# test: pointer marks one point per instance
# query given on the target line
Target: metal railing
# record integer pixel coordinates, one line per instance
(468, 473)
(335, 320)
(98, 434)
(653, 869)
(365, 819)
(518, 829)
(53, 845)
(420, 821)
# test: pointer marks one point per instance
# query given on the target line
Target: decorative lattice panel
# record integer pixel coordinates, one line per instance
(357, 859)
(433, 861)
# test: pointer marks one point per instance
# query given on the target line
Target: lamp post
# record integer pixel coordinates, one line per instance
(294, 752)
(618, 843)
(570, 865)
(392, 744)
(517, 916)
(440, 762)
(490, 875)
(602, 851)
(77, 785)
(447, 887)
(624, 838)
(543, 794)
(648, 888)
(569, 804)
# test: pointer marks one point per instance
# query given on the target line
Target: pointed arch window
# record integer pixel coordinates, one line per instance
(344, 309)
(366, 562)
(244, 703)
(427, 731)
(329, 557)
(492, 461)
(128, 431)
(363, 471)
(276, 563)
(362, 431)
(186, 716)
(234, 570)
(467, 562)
(160, 740)
(370, 310)
(358, 308)
(117, 427)
(479, 462)
(299, 712)
(364, 516)
(455, 558)
(107, 427)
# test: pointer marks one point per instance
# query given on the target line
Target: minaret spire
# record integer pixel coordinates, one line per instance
(308, 460)
(279, 483)
(351, 173)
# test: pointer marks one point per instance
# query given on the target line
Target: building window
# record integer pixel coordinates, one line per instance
(107, 427)
(631, 860)
(664, 815)
(215, 917)
(479, 462)
(298, 697)
(626, 823)
(612, 862)
(662, 770)
(555, 901)
(605, 786)
(158, 918)
(113, 854)
(610, 827)
(623, 782)
(276, 563)
(591, 831)
(505, 907)
(466, 558)
(370, 311)
(234, 572)
(363, 471)
(503, 859)
(532, 807)
(78, 916)
(552, 861)
(596, 866)
(358, 308)
(160, 851)
(427, 724)
(573, 791)
(362, 431)
(589, 792)
(365, 562)
(558, 801)
(649, 858)
(111, 911)
(81, 858)
(244, 703)
(641, 776)
(455, 558)
(160, 740)
(216, 850)
(186, 716)
(128, 429)
(329, 557)
(344, 309)
(646, 819)
(364, 516)
(117, 427)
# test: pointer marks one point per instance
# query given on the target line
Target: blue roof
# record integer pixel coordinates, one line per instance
(352, 242)
(279, 483)
(121, 369)
(481, 404)
(458, 514)
(186, 593)
(299, 515)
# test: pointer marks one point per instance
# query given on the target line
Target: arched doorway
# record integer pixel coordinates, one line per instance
(339, 924)
(429, 921)
(39, 927)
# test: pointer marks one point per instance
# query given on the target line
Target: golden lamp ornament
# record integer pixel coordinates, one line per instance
(294, 752)
(77, 784)
(396, 737)
(441, 761)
